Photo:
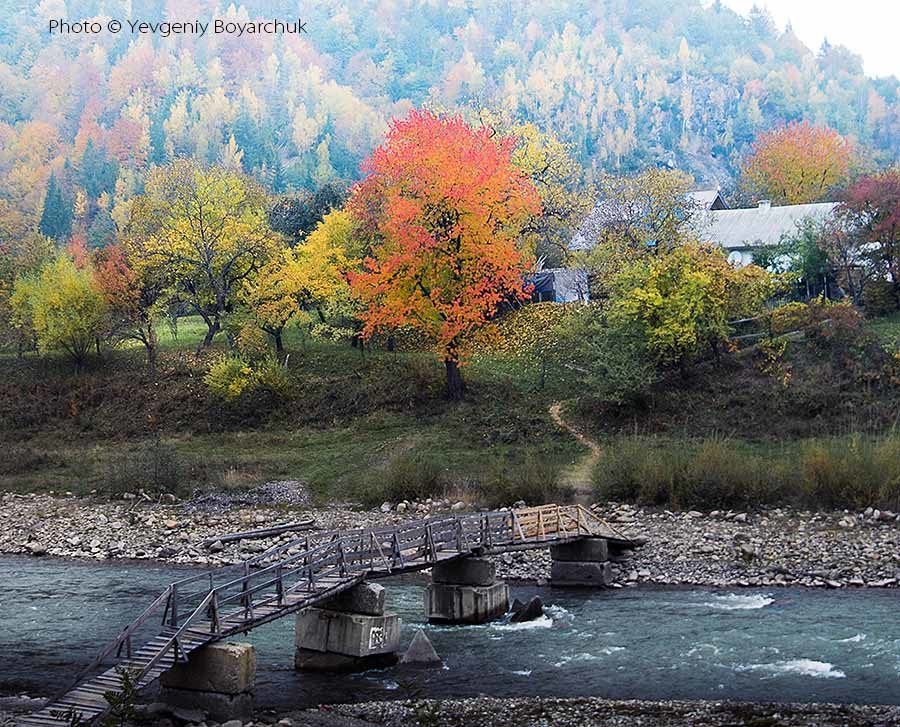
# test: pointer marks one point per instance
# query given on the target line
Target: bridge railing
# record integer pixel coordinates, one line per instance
(223, 600)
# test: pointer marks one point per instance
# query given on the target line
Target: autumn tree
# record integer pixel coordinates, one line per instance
(296, 216)
(797, 164)
(679, 304)
(63, 306)
(442, 211)
(862, 241)
(636, 216)
(310, 277)
(559, 180)
(204, 232)
(134, 300)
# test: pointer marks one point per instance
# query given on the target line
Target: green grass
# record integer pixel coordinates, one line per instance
(339, 463)
(887, 328)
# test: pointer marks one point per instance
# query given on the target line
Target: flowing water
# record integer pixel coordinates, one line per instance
(785, 644)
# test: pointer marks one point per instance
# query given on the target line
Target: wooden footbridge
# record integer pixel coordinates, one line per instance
(292, 576)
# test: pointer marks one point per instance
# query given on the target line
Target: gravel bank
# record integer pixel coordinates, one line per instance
(719, 549)
(531, 712)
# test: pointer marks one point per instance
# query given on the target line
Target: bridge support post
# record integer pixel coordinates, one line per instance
(350, 632)
(465, 591)
(218, 679)
(583, 563)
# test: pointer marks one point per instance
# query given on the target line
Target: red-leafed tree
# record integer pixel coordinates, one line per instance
(797, 164)
(133, 300)
(863, 240)
(441, 213)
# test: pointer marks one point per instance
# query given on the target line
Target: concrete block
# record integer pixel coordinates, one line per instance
(465, 572)
(586, 550)
(420, 651)
(218, 706)
(449, 603)
(225, 667)
(567, 573)
(349, 634)
(365, 598)
(309, 660)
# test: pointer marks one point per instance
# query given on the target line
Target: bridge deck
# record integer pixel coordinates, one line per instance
(283, 580)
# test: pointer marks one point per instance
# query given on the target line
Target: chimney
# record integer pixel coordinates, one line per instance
(765, 204)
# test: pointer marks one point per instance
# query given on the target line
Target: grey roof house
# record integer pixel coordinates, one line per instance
(739, 231)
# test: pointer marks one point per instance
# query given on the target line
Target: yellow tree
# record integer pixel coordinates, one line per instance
(204, 232)
(311, 276)
(797, 164)
(559, 180)
(63, 306)
(636, 216)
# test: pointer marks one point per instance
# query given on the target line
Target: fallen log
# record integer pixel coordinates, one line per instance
(261, 533)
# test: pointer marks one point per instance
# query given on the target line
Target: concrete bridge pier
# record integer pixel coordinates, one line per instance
(350, 632)
(583, 562)
(465, 591)
(218, 678)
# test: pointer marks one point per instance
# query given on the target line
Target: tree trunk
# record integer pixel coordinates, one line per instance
(279, 344)
(456, 387)
(151, 344)
(213, 329)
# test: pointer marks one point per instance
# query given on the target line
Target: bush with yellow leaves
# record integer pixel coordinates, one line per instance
(231, 377)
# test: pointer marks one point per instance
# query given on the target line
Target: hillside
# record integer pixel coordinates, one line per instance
(627, 84)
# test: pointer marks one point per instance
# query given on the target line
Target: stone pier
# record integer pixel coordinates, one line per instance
(217, 679)
(350, 632)
(465, 591)
(582, 562)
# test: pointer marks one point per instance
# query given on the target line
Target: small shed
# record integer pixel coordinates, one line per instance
(560, 285)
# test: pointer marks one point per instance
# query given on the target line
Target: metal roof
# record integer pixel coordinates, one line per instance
(758, 226)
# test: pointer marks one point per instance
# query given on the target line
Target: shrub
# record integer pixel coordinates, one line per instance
(613, 363)
(231, 377)
(790, 317)
(154, 468)
(409, 476)
(879, 298)
(850, 472)
(534, 481)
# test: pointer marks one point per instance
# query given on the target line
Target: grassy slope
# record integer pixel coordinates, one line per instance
(352, 415)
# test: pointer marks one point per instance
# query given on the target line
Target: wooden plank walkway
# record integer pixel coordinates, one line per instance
(234, 599)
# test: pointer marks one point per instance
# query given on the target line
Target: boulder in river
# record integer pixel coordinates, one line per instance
(530, 611)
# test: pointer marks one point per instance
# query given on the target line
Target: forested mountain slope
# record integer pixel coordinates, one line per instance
(627, 83)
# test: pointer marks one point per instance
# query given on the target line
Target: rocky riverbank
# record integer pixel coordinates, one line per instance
(720, 549)
(587, 712)
(548, 712)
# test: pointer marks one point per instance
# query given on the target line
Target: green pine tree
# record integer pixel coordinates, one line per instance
(56, 217)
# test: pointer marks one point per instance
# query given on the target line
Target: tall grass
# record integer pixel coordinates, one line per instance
(847, 472)
(418, 475)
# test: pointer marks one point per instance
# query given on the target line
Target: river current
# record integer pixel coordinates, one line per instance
(785, 644)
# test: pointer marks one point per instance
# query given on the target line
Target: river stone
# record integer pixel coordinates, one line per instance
(530, 611)
(420, 651)
(191, 704)
(224, 667)
(464, 572)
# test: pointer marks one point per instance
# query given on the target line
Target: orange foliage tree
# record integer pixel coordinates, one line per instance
(797, 163)
(441, 213)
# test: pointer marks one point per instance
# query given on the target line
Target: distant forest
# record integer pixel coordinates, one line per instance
(627, 83)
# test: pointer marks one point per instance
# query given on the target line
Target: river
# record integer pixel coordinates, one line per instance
(785, 644)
